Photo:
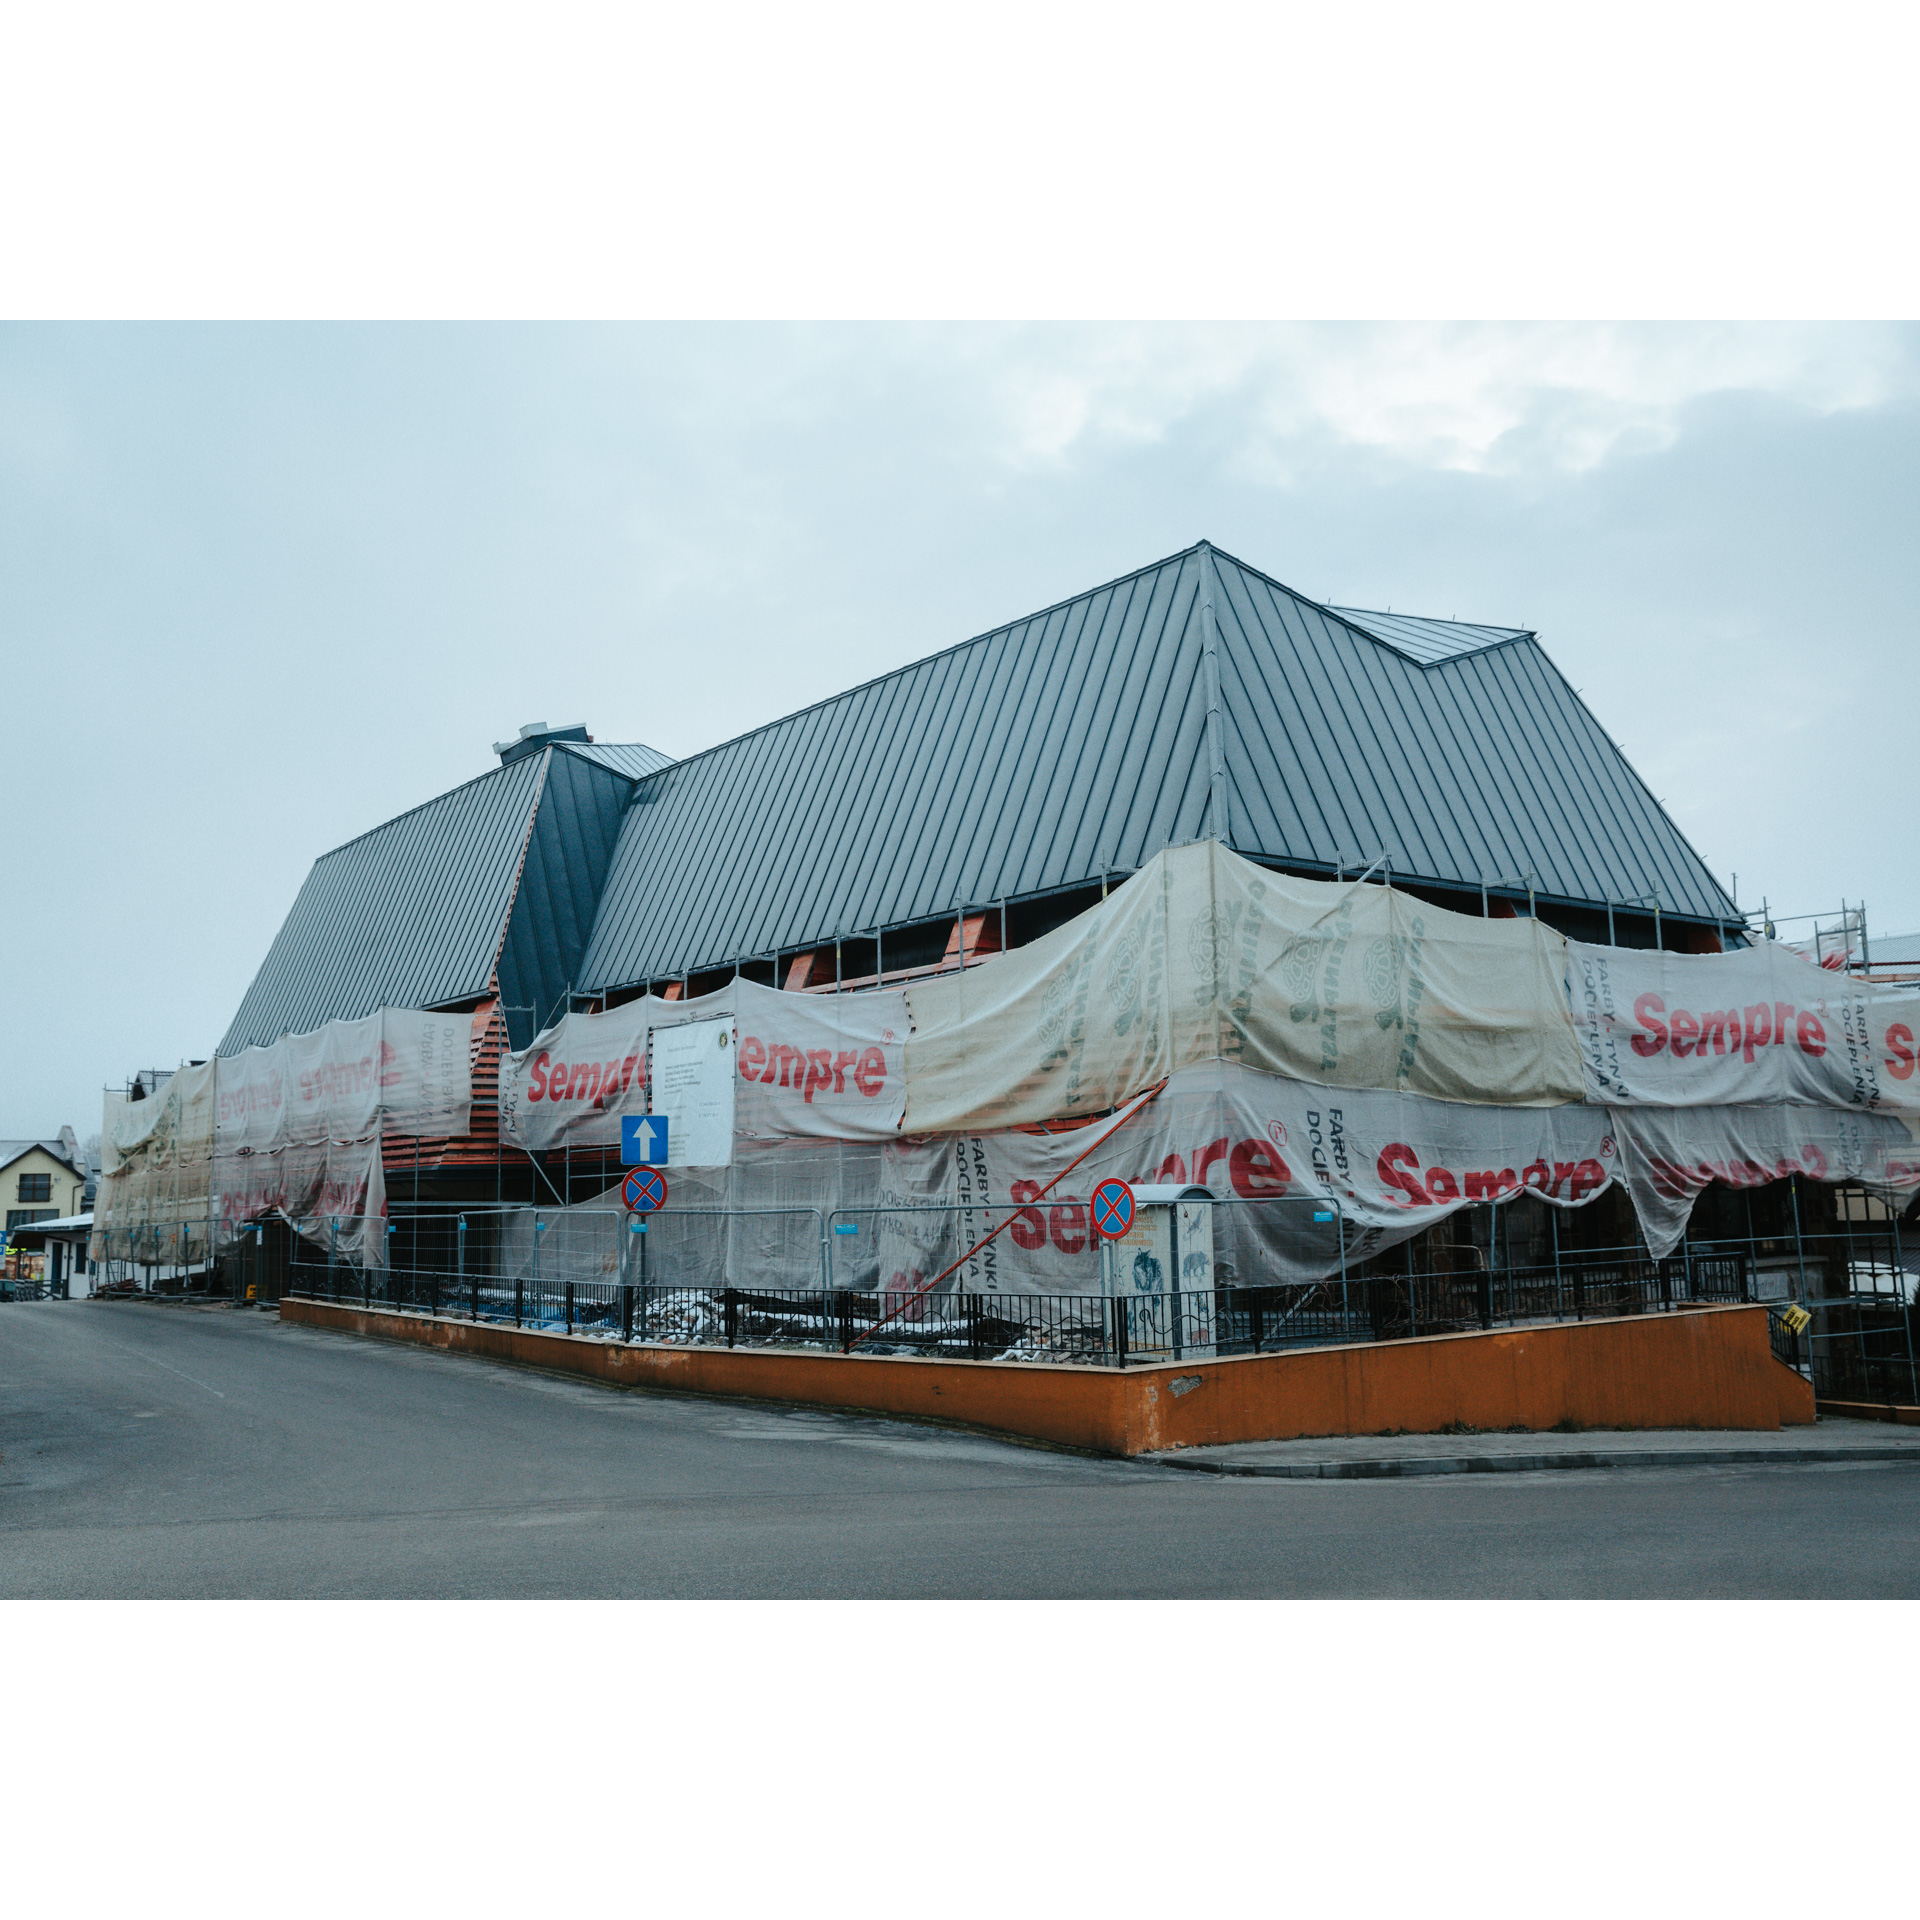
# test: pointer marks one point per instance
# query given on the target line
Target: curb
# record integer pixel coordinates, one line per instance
(1418, 1465)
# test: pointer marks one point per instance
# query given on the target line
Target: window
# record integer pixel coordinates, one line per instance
(36, 1186)
(26, 1216)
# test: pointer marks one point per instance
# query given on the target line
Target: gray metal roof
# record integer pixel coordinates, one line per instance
(12, 1150)
(408, 915)
(1035, 756)
(495, 883)
(1486, 765)
(1020, 761)
(1429, 641)
(575, 827)
(633, 760)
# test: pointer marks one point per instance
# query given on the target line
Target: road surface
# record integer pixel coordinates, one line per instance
(201, 1452)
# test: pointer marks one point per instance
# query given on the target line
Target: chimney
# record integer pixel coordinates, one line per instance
(535, 735)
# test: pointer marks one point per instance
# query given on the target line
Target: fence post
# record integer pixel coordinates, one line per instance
(1173, 1296)
(826, 1279)
(539, 1298)
(1859, 1319)
(1799, 1251)
(1559, 1288)
(569, 1306)
(1119, 1331)
(730, 1311)
(460, 1256)
(1905, 1306)
(1340, 1234)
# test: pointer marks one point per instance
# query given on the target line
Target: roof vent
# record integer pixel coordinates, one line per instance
(535, 735)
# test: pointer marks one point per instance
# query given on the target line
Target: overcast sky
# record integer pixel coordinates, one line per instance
(264, 586)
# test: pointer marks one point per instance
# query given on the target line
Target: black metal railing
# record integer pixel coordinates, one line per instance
(1785, 1327)
(902, 1281)
(1861, 1349)
(1074, 1329)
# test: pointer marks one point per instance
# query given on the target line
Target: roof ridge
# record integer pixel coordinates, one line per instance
(1323, 607)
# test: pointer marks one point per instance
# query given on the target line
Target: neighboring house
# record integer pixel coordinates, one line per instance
(42, 1179)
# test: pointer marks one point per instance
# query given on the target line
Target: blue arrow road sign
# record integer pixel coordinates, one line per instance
(643, 1140)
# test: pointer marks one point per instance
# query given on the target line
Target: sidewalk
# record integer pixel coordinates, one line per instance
(1395, 1456)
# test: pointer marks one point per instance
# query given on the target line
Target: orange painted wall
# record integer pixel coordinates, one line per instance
(1699, 1369)
(1711, 1369)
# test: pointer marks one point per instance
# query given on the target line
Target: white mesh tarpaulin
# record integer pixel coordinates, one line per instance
(332, 1192)
(1204, 956)
(1670, 1156)
(337, 1083)
(1758, 1026)
(293, 1129)
(1288, 1160)
(810, 1066)
(156, 1170)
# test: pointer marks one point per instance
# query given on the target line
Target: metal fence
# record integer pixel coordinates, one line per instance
(1861, 1349)
(596, 1275)
(197, 1259)
(914, 1279)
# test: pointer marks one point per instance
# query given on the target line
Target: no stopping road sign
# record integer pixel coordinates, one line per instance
(1112, 1209)
(644, 1191)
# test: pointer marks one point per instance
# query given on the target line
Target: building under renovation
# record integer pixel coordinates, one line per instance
(1189, 725)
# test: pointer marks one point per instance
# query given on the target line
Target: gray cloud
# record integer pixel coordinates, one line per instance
(263, 587)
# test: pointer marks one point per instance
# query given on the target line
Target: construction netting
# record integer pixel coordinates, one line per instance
(292, 1130)
(1302, 1042)
(1342, 1040)
(1203, 956)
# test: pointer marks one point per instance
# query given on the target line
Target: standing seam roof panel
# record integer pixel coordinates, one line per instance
(1333, 779)
(1435, 844)
(1543, 802)
(1032, 757)
(410, 914)
(1246, 636)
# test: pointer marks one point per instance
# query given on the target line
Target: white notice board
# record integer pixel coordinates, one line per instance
(692, 1080)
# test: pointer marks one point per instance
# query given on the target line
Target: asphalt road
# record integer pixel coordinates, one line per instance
(199, 1452)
